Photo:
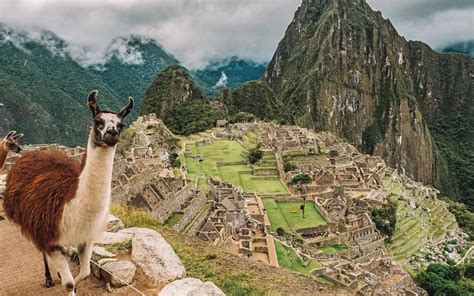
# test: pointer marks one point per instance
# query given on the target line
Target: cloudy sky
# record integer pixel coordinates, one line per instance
(196, 31)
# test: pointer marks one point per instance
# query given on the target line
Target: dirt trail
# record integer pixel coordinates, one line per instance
(22, 271)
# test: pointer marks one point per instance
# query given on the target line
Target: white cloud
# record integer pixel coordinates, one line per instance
(197, 31)
(435, 22)
(222, 80)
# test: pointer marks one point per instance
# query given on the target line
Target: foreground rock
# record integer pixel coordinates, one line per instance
(102, 252)
(114, 224)
(95, 268)
(121, 237)
(124, 270)
(154, 255)
(190, 287)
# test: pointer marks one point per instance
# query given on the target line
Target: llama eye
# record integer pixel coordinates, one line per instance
(99, 123)
(120, 126)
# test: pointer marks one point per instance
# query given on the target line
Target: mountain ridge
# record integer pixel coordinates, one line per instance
(342, 67)
(44, 82)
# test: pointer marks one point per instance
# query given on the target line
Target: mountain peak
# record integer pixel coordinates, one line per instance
(171, 87)
(342, 67)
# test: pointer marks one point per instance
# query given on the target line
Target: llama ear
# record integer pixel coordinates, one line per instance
(92, 103)
(127, 109)
(11, 133)
(17, 136)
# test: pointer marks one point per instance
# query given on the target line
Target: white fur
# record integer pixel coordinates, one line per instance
(62, 266)
(110, 121)
(84, 217)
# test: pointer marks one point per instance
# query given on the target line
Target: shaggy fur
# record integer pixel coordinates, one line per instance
(3, 156)
(60, 202)
(39, 185)
(9, 143)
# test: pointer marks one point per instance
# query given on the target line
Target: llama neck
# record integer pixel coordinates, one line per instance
(3, 156)
(96, 176)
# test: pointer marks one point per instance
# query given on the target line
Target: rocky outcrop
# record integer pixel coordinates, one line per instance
(109, 238)
(191, 287)
(149, 131)
(342, 67)
(114, 224)
(155, 256)
(118, 272)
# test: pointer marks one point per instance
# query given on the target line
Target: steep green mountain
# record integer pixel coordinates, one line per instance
(43, 91)
(466, 47)
(43, 87)
(131, 63)
(175, 99)
(342, 67)
(254, 97)
(230, 73)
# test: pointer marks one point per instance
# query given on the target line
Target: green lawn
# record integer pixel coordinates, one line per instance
(218, 151)
(230, 173)
(250, 139)
(287, 258)
(274, 214)
(173, 219)
(262, 185)
(222, 152)
(331, 249)
(287, 214)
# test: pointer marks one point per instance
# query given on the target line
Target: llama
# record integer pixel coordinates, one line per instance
(59, 202)
(9, 143)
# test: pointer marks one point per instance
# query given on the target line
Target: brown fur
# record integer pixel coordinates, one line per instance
(38, 187)
(3, 155)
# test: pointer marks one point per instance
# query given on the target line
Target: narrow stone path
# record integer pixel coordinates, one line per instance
(22, 271)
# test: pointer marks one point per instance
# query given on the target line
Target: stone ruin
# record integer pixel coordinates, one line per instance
(238, 222)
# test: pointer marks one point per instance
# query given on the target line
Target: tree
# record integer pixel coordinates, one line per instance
(301, 179)
(444, 279)
(300, 182)
(174, 161)
(242, 117)
(385, 218)
(280, 231)
(254, 155)
(289, 166)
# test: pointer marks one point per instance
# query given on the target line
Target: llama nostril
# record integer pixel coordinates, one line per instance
(112, 132)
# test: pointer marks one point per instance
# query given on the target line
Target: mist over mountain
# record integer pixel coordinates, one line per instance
(466, 47)
(229, 73)
(43, 90)
(46, 80)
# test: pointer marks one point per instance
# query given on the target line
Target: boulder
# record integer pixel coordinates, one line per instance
(154, 255)
(114, 224)
(191, 287)
(102, 252)
(109, 238)
(124, 270)
(95, 269)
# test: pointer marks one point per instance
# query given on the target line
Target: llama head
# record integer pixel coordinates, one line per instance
(10, 142)
(107, 124)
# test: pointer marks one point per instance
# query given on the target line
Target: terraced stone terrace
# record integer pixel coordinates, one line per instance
(225, 160)
(289, 259)
(420, 220)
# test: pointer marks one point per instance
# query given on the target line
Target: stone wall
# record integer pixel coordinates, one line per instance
(195, 205)
(171, 205)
